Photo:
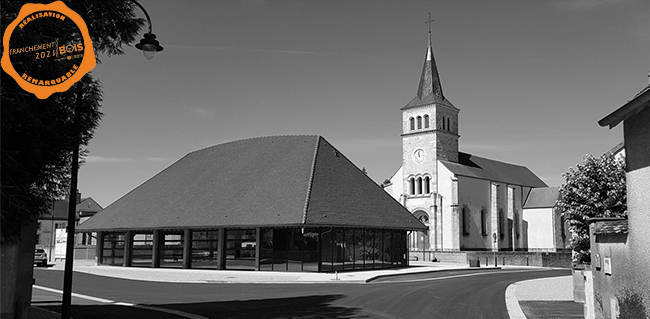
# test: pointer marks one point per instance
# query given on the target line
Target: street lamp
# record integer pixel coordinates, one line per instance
(149, 45)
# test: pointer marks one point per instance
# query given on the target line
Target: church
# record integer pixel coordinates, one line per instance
(469, 203)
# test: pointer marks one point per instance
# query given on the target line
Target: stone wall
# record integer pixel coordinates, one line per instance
(508, 258)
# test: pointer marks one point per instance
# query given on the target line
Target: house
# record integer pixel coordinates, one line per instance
(619, 248)
(541, 213)
(57, 219)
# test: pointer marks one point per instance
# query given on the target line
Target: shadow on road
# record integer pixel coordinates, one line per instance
(294, 307)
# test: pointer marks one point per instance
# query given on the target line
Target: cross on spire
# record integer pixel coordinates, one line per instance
(429, 22)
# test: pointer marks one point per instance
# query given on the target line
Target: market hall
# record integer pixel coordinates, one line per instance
(277, 203)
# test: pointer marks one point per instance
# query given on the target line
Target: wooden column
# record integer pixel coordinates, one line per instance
(99, 248)
(258, 244)
(128, 248)
(187, 249)
(221, 249)
(155, 254)
(320, 249)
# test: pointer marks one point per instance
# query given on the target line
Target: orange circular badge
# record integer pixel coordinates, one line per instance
(47, 49)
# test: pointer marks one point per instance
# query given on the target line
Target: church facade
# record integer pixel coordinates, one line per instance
(468, 202)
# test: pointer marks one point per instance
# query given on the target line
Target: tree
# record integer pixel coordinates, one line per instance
(38, 135)
(595, 188)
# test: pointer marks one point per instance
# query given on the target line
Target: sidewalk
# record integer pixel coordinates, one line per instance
(539, 298)
(543, 298)
(234, 276)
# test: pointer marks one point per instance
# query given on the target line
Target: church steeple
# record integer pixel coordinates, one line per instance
(429, 89)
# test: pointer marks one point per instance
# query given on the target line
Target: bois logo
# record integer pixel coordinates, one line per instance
(47, 49)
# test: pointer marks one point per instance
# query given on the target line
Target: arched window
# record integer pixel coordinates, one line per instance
(426, 121)
(412, 185)
(443, 123)
(426, 185)
(419, 186)
(448, 126)
(419, 122)
(465, 221)
(412, 120)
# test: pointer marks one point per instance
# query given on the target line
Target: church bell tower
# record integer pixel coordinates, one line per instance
(429, 131)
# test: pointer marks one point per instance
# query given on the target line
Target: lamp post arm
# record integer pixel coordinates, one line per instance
(145, 13)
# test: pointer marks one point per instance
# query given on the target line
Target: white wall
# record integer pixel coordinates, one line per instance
(539, 228)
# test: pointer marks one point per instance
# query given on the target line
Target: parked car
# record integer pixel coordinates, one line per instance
(40, 257)
(200, 254)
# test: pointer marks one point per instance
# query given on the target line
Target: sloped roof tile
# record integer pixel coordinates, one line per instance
(478, 167)
(266, 181)
(612, 226)
(544, 197)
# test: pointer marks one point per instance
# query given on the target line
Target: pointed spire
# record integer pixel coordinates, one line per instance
(429, 89)
(430, 80)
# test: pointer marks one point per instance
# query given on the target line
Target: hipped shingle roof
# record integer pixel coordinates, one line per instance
(297, 181)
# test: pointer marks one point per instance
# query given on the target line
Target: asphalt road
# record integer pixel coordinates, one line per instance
(447, 294)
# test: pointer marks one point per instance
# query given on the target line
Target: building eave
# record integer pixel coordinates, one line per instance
(631, 108)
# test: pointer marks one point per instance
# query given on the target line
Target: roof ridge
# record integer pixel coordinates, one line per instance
(311, 179)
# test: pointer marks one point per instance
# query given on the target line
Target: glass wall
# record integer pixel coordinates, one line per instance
(205, 245)
(171, 249)
(281, 249)
(289, 249)
(240, 249)
(113, 249)
(142, 250)
(356, 249)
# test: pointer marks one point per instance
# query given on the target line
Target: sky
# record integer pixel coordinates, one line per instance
(531, 79)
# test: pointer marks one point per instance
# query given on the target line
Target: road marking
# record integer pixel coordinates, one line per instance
(102, 300)
(448, 277)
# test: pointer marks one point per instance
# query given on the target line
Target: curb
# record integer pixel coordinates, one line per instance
(512, 303)
(428, 272)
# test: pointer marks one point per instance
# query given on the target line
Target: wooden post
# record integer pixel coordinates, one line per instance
(258, 245)
(128, 248)
(99, 248)
(320, 249)
(155, 254)
(187, 249)
(221, 249)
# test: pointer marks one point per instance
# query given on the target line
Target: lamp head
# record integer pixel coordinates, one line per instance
(149, 45)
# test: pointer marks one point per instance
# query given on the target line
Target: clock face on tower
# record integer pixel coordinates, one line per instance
(418, 155)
